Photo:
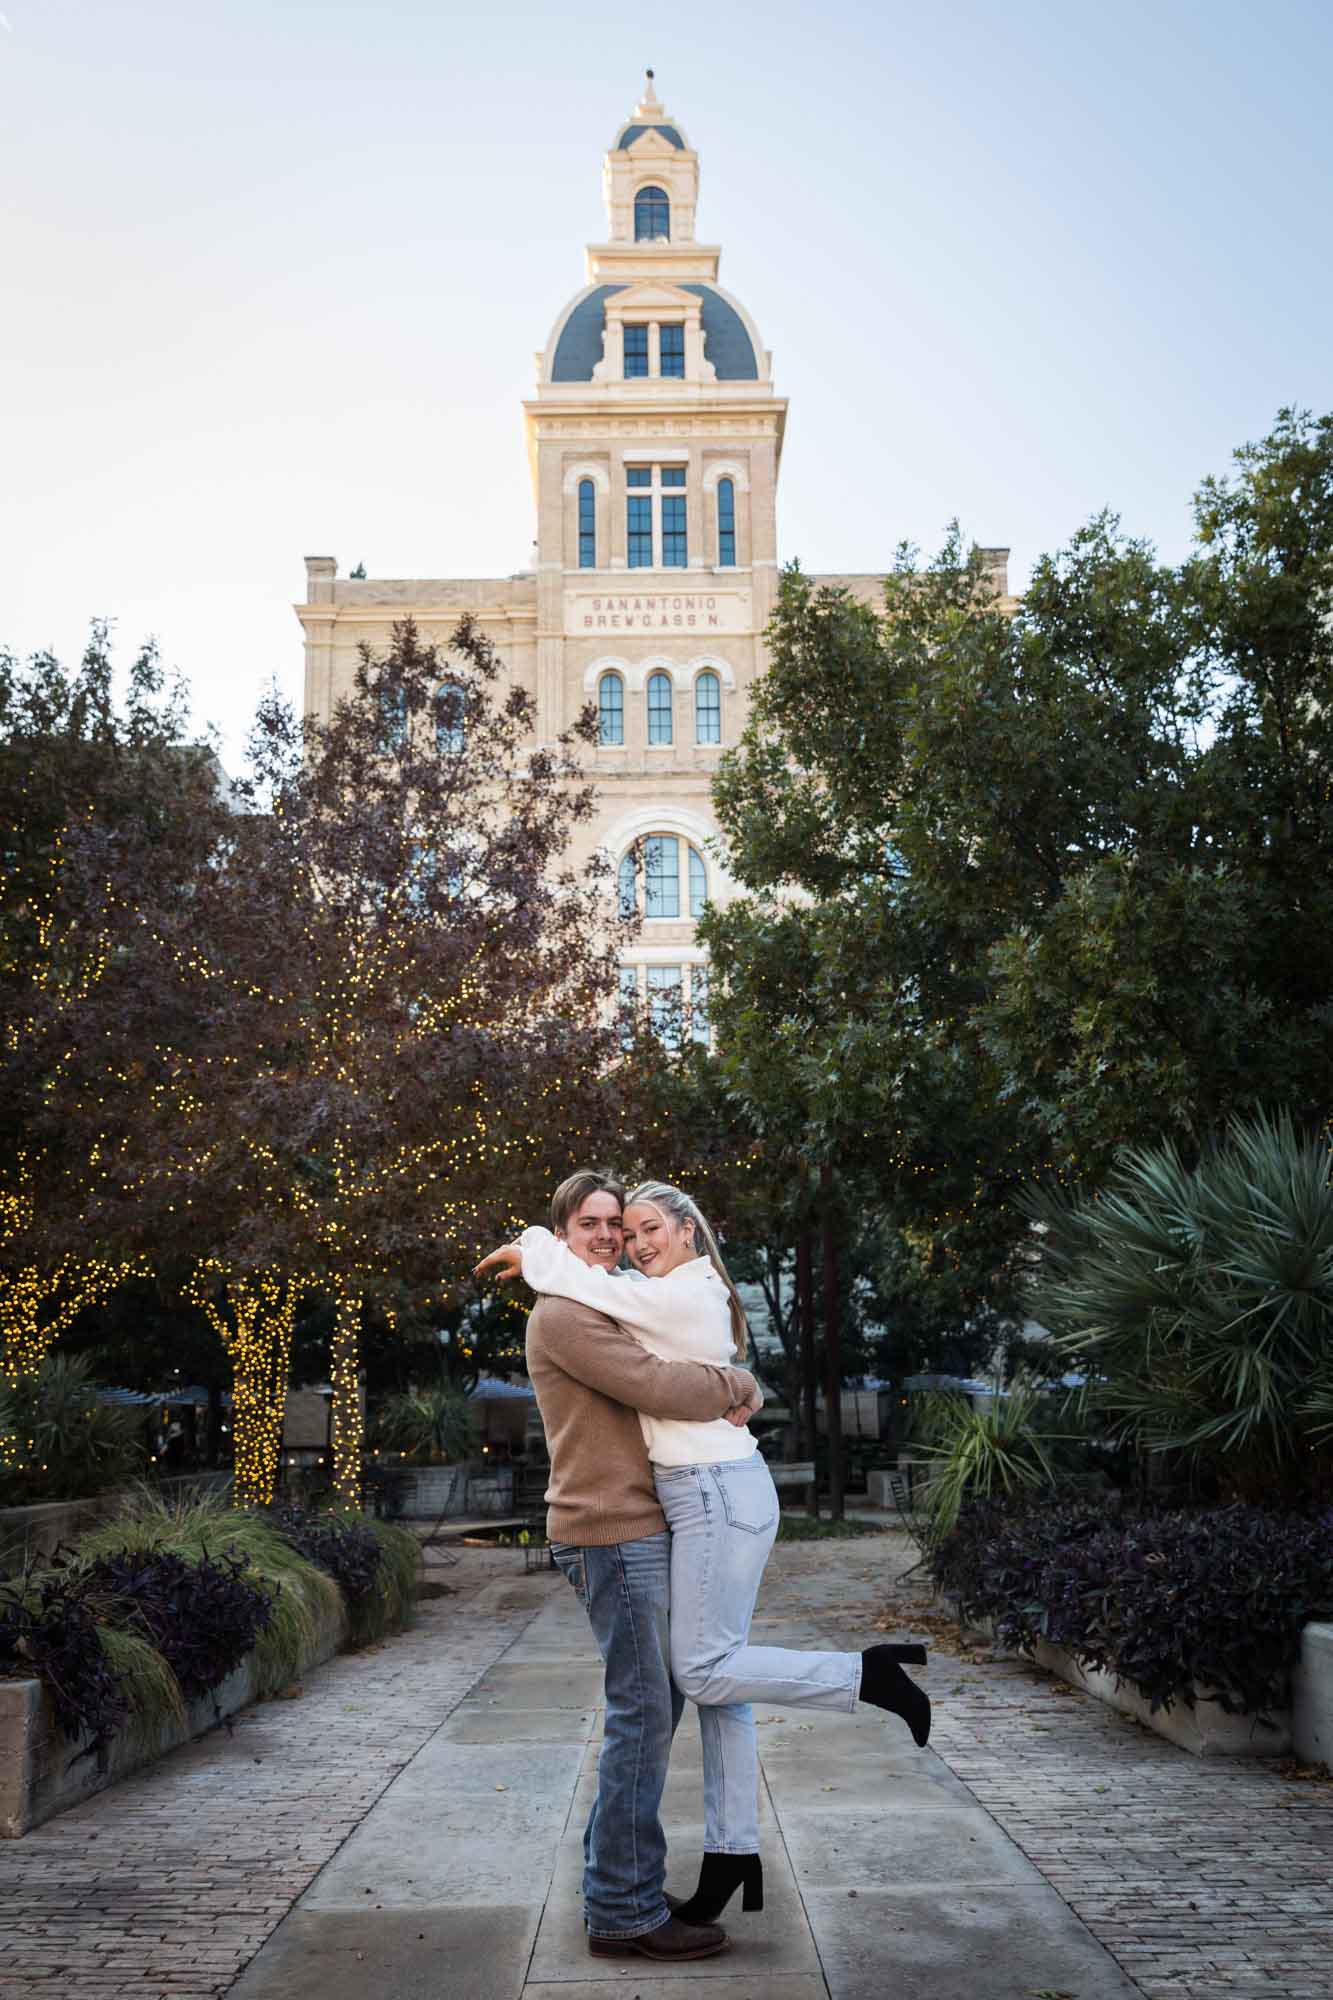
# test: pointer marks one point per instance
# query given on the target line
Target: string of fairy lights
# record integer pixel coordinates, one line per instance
(252, 1309)
(253, 1314)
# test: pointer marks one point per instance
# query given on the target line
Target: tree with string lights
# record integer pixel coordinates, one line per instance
(77, 765)
(377, 1032)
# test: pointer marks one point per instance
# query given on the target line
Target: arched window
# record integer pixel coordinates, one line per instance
(726, 524)
(392, 716)
(627, 885)
(587, 524)
(698, 883)
(661, 875)
(652, 215)
(659, 708)
(708, 708)
(610, 709)
(450, 728)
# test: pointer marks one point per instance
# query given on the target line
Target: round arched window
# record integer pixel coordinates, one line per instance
(610, 710)
(652, 216)
(659, 708)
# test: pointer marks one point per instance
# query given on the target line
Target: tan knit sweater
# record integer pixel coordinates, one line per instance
(591, 1379)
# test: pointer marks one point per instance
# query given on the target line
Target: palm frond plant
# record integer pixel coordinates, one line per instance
(433, 1425)
(62, 1440)
(1000, 1450)
(1198, 1300)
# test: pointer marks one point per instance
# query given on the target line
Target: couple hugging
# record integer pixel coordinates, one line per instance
(661, 1516)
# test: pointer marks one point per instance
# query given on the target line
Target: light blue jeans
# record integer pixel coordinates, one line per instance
(723, 1521)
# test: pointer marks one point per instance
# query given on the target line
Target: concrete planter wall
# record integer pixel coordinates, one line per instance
(1206, 1730)
(39, 1530)
(41, 1774)
(1312, 1697)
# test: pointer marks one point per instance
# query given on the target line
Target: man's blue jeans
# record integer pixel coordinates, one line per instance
(625, 1589)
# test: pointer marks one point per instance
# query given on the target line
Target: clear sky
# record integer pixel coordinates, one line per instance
(275, 272)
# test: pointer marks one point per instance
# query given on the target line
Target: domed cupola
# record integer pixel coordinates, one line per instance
(648, 117)
(654, 310)
(650, 181)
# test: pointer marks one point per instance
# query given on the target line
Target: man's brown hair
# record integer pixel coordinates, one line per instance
(571, 1194)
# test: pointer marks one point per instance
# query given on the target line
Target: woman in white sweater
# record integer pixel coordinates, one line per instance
(722, 1509)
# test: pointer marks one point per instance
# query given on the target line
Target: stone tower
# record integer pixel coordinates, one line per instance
(654, 438)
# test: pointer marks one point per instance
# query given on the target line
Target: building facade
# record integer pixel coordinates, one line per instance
(655, 438)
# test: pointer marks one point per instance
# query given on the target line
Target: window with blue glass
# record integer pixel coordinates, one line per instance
(392, 716)
(708, 708)
(450, 729)
(639, 531)
(726, 524)
(673, 475)
(629, 1003)
(672, 349)
(638, 475)
(636, 351)
(673, 531)
(699, 1028)
(659, 708)
(627, 885)
(661, 875)
(698, 883)
(652, 215)
(587, 524)
(610, 710)
(665, 994)
(423, 869)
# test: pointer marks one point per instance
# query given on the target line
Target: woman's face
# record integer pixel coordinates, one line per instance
(654, 1241)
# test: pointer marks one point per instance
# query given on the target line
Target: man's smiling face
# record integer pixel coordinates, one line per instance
(595, 1231)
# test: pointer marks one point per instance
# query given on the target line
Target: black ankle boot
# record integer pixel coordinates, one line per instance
(720, 1876)
(884, 1684)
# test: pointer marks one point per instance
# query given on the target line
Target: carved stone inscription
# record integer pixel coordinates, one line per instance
(657, 611)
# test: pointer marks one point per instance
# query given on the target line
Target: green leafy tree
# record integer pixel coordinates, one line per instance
(1024, 886)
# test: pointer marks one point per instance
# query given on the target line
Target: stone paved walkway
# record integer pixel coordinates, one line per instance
(883, 1876)
(1208, 1879)
(408, 1830)
(164, 1886)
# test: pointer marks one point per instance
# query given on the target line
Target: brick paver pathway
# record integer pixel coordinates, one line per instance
(164, 1886)
(1208, 1879)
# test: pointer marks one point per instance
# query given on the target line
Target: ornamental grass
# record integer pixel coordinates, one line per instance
(153, 1609)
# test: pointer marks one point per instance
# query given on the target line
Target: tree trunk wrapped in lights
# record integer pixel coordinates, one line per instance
(345, 1413)
(252, 1314)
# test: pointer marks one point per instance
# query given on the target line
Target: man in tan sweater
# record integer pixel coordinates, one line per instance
(609, 1537)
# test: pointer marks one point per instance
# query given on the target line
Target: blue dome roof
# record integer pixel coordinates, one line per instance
(633, 132)
(727, 343)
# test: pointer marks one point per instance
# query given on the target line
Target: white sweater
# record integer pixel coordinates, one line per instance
(685, 1316)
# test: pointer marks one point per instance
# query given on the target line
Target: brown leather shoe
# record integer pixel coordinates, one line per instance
(670, 1942)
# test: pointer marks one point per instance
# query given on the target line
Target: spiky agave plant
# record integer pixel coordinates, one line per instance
(1199, 1301)
(998, 1450)
(435, 1424)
